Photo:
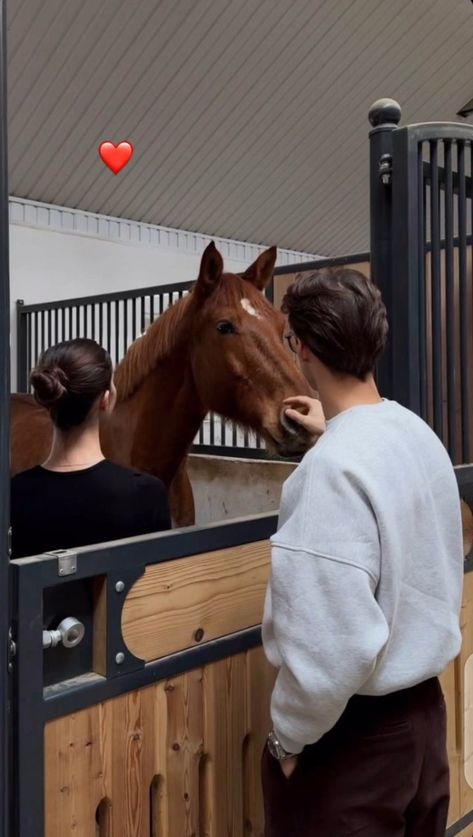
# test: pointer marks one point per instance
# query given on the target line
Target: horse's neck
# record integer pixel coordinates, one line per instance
(154, 428)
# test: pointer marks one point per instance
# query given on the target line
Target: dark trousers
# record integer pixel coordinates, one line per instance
(382, 771)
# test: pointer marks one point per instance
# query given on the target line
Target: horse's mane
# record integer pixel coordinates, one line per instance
(147, 351)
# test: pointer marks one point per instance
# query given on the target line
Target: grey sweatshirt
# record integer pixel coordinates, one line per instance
(367, 569)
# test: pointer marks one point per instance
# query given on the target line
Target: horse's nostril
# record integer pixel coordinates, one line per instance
(289, 425)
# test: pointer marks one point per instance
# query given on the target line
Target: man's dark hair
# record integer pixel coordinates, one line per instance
(339, 314)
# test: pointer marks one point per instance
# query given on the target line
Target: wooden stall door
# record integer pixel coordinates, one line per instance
(177, 759)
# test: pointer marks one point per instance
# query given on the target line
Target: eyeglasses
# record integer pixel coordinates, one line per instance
(292, 341)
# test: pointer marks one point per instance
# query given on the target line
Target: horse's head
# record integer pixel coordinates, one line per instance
(240, 366)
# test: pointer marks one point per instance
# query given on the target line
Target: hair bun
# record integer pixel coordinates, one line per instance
(50, 385)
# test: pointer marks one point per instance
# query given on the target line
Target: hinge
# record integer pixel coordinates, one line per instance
(66, 561)
(385, 169)
(11, 650)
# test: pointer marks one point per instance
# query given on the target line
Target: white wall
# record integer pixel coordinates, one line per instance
(59, 253)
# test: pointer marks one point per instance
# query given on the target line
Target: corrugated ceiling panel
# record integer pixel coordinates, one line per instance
(249, 118)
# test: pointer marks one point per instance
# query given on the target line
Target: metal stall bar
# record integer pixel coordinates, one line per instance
(5, 720)
(450, 302)
(406, 285)
(384, 116)
(436, 302)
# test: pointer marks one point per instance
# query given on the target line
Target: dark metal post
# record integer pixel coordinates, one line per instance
(384, 116)
(407, 270)
(5, 722)
(21, 347)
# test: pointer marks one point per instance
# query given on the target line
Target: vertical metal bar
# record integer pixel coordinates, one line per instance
(101, 323)
(450, 301)
(78, 331)
(56, 325)
(422, 233)
(405, 309)
(63, 324)
(5, 719)
(109, 319)
(117, 330)
(151, 309)
(69, 337)
(212, 429)
(36, 339)
(43, 330)
(134, 309)
(21, 347)
(125, 326)
(463, 304)
(143, 315)
(384, 116)
(436, 300)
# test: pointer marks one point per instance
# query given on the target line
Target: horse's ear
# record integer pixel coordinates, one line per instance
(211, 271)
(261, 271)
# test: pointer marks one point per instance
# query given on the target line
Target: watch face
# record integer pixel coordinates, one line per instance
(275, 748)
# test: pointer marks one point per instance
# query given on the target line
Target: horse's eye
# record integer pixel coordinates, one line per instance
(226, 328)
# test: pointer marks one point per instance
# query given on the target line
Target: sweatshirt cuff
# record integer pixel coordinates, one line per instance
(292, 747)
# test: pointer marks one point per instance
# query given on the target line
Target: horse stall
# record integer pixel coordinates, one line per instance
(154, 722)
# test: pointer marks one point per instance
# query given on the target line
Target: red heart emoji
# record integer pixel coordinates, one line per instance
(115, 156)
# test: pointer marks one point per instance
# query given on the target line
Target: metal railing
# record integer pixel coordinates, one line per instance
(115, 320)
(421, 257)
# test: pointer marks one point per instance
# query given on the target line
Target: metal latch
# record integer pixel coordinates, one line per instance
(11, 649)
(385, 169)
(70, 633)
(66, 561)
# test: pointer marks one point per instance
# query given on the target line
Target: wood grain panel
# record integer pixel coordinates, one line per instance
(216, 593)
(465, 697)
(448, 682)
(169, 760)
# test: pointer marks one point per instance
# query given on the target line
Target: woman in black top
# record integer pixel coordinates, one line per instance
(77, 497)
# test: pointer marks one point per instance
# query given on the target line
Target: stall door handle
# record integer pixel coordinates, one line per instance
(70, 633)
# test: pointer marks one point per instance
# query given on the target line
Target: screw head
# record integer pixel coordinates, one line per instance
(119, 586)
(199, 635)
(120, 658)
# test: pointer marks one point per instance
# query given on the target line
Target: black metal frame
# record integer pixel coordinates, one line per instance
(117, 561)
(5, 705)
(399, 177)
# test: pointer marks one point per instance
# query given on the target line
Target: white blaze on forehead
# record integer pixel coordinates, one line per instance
(246, 304)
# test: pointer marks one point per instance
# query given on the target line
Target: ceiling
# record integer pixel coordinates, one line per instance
(248, 117)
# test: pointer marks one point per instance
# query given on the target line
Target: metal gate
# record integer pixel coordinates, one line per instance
(421, 258)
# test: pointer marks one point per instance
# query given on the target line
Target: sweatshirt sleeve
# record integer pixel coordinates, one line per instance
(324, 629)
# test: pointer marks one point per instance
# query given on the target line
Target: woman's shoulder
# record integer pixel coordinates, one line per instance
(133, 476)
(24, 477)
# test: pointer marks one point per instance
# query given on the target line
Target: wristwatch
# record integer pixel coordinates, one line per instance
(276, 749)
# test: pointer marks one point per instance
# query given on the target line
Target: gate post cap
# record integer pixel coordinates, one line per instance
(385, 112)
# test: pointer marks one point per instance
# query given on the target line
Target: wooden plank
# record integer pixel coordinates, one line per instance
(128, 723)
(225, 730)
(73, 788)
(180, 603)
(184, 753)
(467, 521)
(260, 677)
(448, 682)
(465, 694)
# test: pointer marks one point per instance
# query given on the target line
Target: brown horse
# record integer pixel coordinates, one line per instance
(218, 349)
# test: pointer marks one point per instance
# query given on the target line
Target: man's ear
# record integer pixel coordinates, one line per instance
(261, 271)
(210, 273)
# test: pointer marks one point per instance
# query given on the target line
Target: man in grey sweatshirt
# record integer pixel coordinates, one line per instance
(362, 608)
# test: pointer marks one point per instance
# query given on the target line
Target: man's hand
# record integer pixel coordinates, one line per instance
(307, 412)
(288, 766)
